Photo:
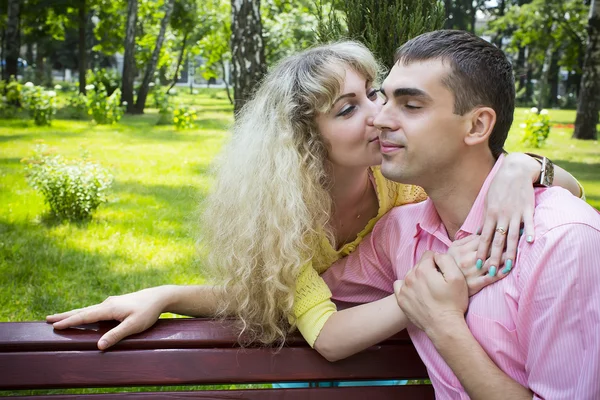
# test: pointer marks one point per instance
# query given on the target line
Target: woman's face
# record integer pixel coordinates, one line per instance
(348, 128)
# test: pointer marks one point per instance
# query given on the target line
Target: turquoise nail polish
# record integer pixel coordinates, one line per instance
(507, 267)
(521, 231)
(493, 271)
(529, 239)
(479, 264)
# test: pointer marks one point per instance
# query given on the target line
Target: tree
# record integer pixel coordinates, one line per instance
(149, 74)
(82, 20)
(365, 21)
(129, 67)
(461, 14)
(12, 39)
(247, 49)
(551, 35)
(588, 105)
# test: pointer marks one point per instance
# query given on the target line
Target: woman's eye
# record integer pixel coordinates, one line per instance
(411, 107)
(372, 94)
(346, 111)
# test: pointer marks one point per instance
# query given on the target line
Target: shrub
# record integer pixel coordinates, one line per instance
(165, 107)
(10, 98)
(40, 104)
(109, 79)
(12, 90)
(104, 109)
(76, 107)
(536, 128)
(184, 117)
(72, 188)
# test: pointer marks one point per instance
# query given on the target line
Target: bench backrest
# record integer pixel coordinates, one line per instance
(195, 351)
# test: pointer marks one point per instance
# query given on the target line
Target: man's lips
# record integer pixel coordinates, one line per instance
(389, 147)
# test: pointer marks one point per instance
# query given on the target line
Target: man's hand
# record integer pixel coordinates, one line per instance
(434, 293)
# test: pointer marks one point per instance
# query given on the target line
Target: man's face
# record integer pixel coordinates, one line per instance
(421, 137)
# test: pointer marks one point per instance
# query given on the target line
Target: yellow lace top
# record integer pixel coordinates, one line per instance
(312, 301)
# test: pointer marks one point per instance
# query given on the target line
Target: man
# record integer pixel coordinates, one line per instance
(536, 333)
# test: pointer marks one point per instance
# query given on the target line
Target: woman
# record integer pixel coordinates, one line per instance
(296, 189)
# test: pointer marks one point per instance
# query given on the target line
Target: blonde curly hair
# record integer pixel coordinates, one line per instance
(270, 204)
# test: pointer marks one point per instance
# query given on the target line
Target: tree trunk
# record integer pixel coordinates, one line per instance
(151, 69)
(12, 39)
(129, 56)
(39, 63)
(82, 46)
(247, 49)
(497, 40)
(226, 83)
(588, 104)
(179, 60)
(554, 79)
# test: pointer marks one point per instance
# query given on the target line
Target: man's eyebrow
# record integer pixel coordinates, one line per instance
(412, 92)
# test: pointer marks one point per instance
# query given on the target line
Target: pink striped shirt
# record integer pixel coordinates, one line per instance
(540, 325)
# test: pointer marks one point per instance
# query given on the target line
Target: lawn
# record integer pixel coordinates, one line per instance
(144, 235)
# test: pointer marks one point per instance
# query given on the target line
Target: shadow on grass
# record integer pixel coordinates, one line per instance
(41, 275)
(582, 171)
(168, 212)
(10, 138)
(213, 124)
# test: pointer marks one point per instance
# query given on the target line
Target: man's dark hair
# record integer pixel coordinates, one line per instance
(481, 75)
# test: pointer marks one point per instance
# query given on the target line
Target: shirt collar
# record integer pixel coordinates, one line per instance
(431, 221)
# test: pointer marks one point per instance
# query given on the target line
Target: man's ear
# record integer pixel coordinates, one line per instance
(483, 120)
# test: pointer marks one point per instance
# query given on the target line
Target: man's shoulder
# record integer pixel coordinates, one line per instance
(556, 207)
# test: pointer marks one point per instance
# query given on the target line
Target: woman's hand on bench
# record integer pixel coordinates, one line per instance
(136, 311)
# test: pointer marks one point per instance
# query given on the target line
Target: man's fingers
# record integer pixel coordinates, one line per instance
(448, 267)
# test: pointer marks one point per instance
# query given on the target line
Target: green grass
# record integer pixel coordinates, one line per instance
(144, 235)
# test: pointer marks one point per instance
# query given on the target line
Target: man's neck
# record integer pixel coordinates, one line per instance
(454, 193)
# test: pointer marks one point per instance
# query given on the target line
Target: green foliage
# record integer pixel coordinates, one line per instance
(104, 109)
(12, 91)
(76, 106)
(40, 104)
(405, 19)
(110, 80)
(536, 128)
(214, 46)
(73, 189)
(163, 102)
(10, 97)
(287, 28)
(330, 22)
(184, 117)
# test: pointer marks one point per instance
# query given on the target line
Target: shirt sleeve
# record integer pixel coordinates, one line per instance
(367, 274)
(312, 303)
(558, 316)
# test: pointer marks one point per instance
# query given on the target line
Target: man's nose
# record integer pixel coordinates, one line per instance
(382, 120)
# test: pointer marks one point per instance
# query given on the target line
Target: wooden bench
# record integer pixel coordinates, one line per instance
(195, 352)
